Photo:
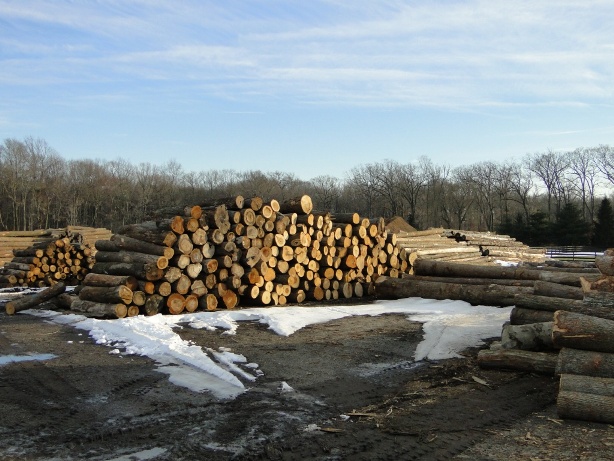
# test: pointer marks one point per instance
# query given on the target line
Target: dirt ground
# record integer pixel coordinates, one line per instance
(355, 394)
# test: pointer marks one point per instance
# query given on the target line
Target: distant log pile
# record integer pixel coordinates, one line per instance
(236, 252)
(496, 246)
(20, 240)
(49, 256)
(571, 337)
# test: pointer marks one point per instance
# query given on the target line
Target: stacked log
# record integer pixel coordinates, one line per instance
(432, 244)
(575, 344)
(61, 257)
(497, 246)
(235, 251)
(20, 240)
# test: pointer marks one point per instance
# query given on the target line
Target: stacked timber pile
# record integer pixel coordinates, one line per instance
(59, 256)
(432, 244)
(571, 336)
(236, 251)
(20, 240)
(502, 247)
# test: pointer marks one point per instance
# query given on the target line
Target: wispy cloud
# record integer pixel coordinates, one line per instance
(432, 53)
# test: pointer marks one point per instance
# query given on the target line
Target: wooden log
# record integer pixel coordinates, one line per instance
(587, 384)
(99, 310)
(103, 280)
(394, 288)
(536, 362)
(603, 283)
(605, 264)
(599, 299)
(588, 363)
(149, 231)
(585, 332)
(547, 303)
(521, 316)
(154, 304)
(107, 295)
(298, 205)
(131, 257)
(141, 271)
(30, 301)
(531, 337)
(475, 281)
(586, 407)
(557, 290)
(235, 202)
(450, 269)
(175, 303)
(123, 242)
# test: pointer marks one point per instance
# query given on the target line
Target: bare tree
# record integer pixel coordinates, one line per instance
(583, 169)
(604, 160)
(326, 192)
(412, 180)
(550, 168)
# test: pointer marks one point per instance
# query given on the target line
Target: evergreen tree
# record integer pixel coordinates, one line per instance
(603, 235)
(570, 228)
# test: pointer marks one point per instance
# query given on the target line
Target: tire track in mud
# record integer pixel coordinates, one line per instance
(440, 430)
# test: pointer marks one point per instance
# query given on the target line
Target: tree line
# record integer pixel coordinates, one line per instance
(544, 198)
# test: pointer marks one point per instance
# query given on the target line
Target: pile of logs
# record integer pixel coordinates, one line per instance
(60, 256)
(20, 240)
(496, 246)
(236, 251)
(432, 244)
(573, 339)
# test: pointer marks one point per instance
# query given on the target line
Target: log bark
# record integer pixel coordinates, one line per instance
(124, 242)
(587, 384)
(605, 264)
(546, 303)
(585, 332)
(131, 257)
(556, 290)
(450, 269)
(531, 337)
(148, 231)
(585, 407)
(141, 271)
(107, 295)
(30, 301)
(521, 316)
(154, 304)
(537, 362)
(99, 310)
(588, 363)
(394, 288)
(298, 205)
(103, 280)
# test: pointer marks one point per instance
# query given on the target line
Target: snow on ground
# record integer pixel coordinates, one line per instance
(449, 327)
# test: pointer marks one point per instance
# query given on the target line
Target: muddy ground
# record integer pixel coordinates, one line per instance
(352, 392)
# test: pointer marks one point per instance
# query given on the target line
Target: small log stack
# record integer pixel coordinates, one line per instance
(233, 252)
(64, 256)
(496, 246)
(576, 346)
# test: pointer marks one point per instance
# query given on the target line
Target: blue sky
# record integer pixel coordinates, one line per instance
(308, 87)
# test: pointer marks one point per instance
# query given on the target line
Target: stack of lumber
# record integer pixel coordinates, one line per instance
(432, 244)
(235, 251)
(498, 246)
(575, 342)
(56, 256)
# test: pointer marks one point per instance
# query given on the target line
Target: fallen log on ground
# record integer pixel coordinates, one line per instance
(30, 301)
(586, 406)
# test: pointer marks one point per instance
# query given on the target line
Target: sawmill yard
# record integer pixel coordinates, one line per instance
(300, 335)
(320, 382)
